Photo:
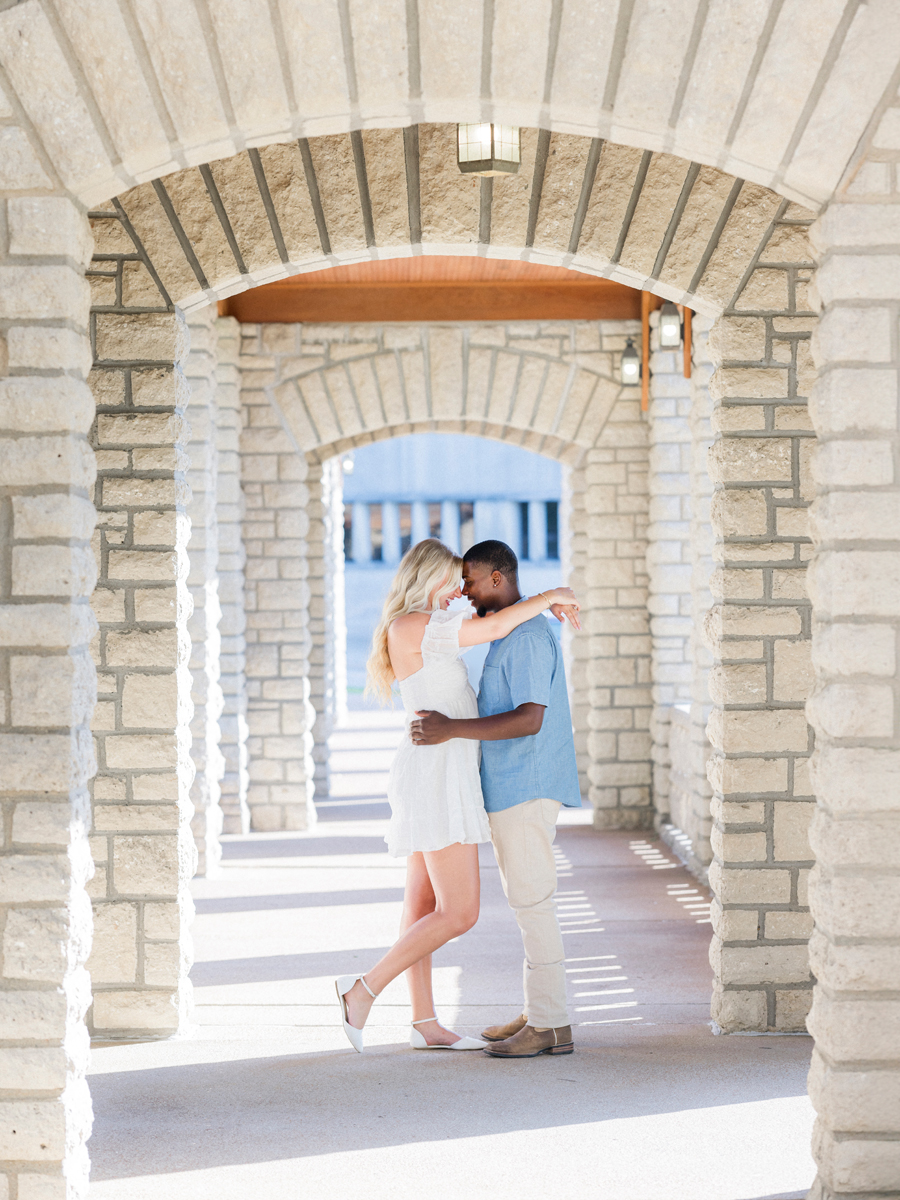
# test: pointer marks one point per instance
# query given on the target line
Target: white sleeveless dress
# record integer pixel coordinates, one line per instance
(435, 791)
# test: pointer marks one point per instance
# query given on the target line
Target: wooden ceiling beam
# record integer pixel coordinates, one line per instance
(437, 288)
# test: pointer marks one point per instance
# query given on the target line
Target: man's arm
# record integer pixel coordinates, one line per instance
(432, 728)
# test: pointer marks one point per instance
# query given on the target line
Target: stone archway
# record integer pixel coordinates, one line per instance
(104, 101)
(78, 139)
(651, 220)
(752, 261)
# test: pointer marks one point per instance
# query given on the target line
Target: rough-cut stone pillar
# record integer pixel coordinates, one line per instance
(691, 793)
(203, 584)
(668, 556)
(142, 844)
(327, 625)
(573, 541)
(233, 621)
(276, 525)
(47, 692)
(611, 658)
(855, 589)
(759, 630)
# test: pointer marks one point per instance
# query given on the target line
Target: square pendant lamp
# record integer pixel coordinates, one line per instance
(487, 149)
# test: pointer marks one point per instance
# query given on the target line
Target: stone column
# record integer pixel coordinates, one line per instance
(360, 534)
(450, 524)
(233, 621)
(668, 555)
(537, 530)
(695, 817)
(142, 844)
(390, 531)
(327, 625)
(47, 692)
(855, 588)
(576, 649)
(611, 658)
(203, 584)
(759, 629)
(277, 595)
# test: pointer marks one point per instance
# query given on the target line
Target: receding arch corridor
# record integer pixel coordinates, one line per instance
(267, 1099)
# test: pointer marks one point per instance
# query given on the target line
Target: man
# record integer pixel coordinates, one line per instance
(528, 772)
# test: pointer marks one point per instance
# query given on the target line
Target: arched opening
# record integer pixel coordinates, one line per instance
(313, 391)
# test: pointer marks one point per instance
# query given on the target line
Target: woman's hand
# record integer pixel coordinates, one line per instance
(566, 612)
(564, 605)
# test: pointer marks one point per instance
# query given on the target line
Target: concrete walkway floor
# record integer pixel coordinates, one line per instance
(266, 1100)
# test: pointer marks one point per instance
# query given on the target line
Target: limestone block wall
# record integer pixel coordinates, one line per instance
(327, 624)
(277, 602)
(759, 630)
(668, 555)
(203, 585)
(47, 693)
(231, 558)
(141, 838)
(855, 587)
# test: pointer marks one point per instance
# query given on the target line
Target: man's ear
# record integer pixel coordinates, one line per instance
(496, 578)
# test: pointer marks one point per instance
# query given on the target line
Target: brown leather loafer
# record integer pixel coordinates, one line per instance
(530, 1042)
(499, 1033)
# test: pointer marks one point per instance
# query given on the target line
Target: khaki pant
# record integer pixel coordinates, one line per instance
(523, 846)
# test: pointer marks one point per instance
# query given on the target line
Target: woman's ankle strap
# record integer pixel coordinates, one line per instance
(362, 980)
(424, 1020)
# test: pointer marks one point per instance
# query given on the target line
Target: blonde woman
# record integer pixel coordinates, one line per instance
(437, 810)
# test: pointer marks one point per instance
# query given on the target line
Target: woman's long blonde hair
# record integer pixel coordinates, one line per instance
(427, 566)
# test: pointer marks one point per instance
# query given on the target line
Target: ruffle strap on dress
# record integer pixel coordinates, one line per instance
(442, 633)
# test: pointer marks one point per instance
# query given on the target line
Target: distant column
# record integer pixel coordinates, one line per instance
(537, 530)
(450, 524)
(390, 531)
(420, 529)
(497, 519)
(361, 540)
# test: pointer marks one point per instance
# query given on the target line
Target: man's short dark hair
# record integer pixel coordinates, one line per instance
(496, 556)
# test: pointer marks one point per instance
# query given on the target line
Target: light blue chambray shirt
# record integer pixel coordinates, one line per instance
(526, 667)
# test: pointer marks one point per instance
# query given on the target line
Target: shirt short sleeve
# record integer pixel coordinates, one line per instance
(441, 635)
(528, 669)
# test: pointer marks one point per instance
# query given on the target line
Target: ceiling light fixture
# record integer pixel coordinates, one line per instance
(487, 149)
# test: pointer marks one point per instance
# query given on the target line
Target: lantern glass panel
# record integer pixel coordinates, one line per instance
(506, 143)
(474, 143)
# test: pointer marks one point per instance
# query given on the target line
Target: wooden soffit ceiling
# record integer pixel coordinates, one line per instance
(436, 288)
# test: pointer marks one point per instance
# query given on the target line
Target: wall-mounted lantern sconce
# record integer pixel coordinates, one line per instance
(487, 149)
(631, 365)
(669, 325)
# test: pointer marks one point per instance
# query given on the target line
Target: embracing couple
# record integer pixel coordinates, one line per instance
(443, 803)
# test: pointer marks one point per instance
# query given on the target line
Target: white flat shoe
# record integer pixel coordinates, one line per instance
(418, 1042)
(342, 986)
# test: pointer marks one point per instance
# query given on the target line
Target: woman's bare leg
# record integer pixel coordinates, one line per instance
(419, 900)
(453, 872)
